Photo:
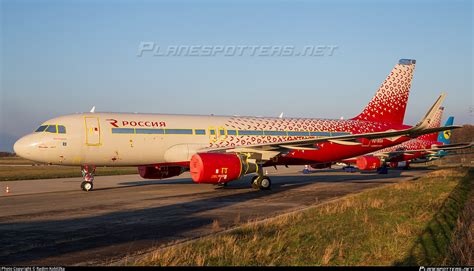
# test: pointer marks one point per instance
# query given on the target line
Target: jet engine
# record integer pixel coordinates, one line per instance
(219, 167)
(368, 162)
(159, 172)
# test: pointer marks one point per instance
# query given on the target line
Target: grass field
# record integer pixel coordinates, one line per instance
(15, 161)
(409, 223)
(15, 168)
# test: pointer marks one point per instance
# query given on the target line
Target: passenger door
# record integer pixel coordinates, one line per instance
(92, 131)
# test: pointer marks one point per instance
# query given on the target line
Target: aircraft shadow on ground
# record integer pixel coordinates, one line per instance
(24, 242)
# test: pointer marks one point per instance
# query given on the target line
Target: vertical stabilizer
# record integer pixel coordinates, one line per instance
(434, 124)
(390, 100)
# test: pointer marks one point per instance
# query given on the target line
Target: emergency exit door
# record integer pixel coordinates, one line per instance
(92, 131)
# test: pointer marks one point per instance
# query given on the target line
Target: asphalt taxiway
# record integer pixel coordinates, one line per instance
(53, 222)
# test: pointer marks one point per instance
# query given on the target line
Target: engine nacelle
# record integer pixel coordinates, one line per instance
(159, 172)
(219, 167)
(368, 162)
(321, 165)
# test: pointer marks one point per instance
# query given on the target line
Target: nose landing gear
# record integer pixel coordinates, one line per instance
(88, 175)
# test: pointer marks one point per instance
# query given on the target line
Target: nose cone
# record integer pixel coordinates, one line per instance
(23, 147)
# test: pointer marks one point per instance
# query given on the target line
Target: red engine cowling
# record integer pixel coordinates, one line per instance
(159, 172)
(219, 167)
(368, 162)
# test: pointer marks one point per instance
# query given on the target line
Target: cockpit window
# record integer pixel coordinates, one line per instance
(51, 129)
(61, 129)
(41, 128)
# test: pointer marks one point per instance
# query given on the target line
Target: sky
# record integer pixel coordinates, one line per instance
(62, 57)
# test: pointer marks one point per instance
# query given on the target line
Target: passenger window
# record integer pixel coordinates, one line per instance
(61, 129)
(41, 128)
(51, 129)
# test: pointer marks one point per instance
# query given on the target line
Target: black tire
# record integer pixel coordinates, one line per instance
(87, 186)
(265, 183)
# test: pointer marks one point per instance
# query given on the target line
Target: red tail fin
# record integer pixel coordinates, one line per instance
(435, 123)
(390, 100)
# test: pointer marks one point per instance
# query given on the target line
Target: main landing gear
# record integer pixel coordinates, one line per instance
(88, 175)
(261, 181)
(383, 169)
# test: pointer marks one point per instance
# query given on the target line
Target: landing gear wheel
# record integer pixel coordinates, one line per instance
(382, 170)
(87, 186)
(254, 182)
(88, 173)
(264, 183)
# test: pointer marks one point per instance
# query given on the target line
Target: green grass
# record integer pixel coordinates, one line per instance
(15, 161)
(407, 223)
(17, 168)
(431, 246)
(11, 173)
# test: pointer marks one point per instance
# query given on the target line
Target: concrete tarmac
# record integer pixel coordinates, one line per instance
(53, 222)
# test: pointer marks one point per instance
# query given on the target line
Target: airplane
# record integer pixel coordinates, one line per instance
(220, 149)
(423, 148)
(446, 148)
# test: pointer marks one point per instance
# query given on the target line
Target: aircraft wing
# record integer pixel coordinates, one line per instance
(274, 148)
(434, 149)
(457, 146)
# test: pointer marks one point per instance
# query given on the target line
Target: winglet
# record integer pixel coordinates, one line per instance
(431, 114)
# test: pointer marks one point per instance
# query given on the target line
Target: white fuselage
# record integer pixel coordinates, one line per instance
(122, 139)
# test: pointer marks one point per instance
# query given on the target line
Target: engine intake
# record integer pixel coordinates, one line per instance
(219, 167)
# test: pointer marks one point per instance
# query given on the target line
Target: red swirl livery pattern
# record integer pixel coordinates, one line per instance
(293, 124)
(421, 142)
(390, 101)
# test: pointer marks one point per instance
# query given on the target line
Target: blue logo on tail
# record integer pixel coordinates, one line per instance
(445, 136)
